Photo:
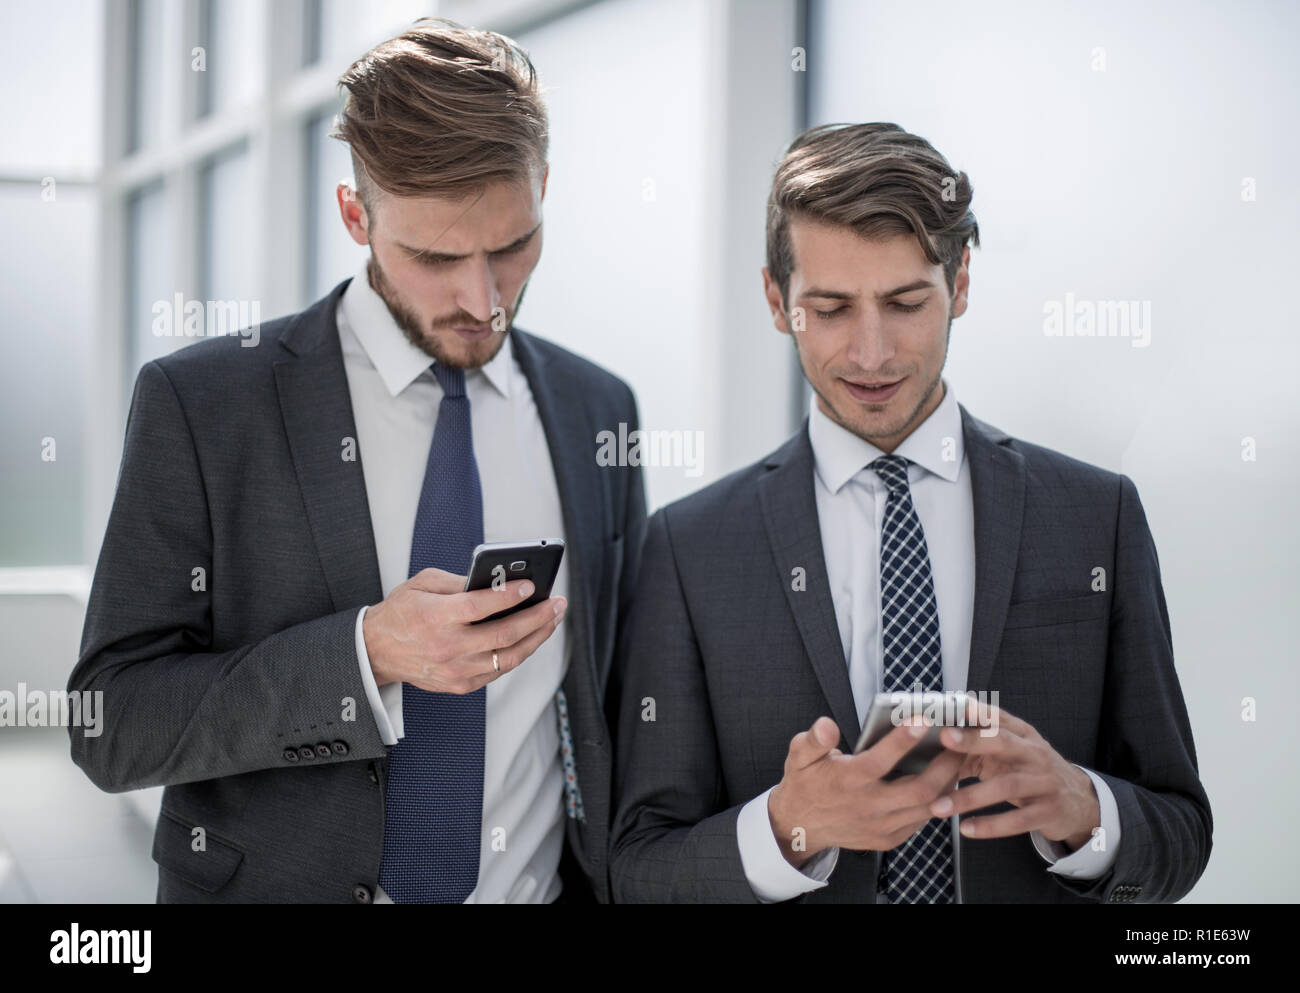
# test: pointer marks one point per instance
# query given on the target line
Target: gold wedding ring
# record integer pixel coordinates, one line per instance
(496, 666)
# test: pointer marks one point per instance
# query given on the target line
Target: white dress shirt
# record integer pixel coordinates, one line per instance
(395, 400)
(851, 501)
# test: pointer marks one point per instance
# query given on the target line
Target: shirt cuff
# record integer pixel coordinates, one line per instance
(1086, 863)
(770, 876)
(386, 701)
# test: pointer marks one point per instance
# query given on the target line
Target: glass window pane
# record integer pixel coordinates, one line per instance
(226, 266)
(332, 255)
(146, 81)
(233, 35)
(149, 276)
(45, 311)
(34, 37)
(332, 30)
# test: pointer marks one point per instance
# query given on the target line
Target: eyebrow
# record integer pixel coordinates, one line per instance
(418, 253)
(919, 284)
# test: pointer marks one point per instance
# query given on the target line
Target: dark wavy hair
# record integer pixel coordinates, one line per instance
(877, 179)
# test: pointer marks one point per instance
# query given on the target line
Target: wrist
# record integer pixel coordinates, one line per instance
(369, 634)
(790, 838)
(1091, 819)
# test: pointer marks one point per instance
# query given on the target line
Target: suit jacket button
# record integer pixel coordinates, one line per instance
(290, 755)
(323, 749)
(306, 752)
(361, 894)
(340, 747)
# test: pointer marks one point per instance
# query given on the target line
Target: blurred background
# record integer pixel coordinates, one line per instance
(1134, 152)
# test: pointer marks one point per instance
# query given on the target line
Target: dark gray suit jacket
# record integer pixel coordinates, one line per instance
(738, 662)
(233, 698)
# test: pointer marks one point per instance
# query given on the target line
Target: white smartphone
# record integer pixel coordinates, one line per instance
(936, 709)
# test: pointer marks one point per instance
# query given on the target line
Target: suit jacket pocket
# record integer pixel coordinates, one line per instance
(209, 869)
(1067, 610)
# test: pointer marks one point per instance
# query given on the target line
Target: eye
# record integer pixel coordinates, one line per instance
(430, 261)
(512, 250)
(908, 308)
(826, 315)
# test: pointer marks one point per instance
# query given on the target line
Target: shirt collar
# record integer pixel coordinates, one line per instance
(936, 445)
(398, 362)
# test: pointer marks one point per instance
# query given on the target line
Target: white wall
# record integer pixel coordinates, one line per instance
(662, 146)
(1125, 184)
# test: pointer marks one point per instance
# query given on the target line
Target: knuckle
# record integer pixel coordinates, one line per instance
(461, 609)
(914, 794)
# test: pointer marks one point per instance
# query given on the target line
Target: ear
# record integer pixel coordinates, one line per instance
(961, 283)
(774, 304)
(353, 214)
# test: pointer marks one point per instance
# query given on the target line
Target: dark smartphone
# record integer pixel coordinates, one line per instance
(497, 563)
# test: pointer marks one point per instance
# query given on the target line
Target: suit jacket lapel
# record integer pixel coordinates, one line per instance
(794, 533)
(997, 476)
(317, 411)
(571, 439)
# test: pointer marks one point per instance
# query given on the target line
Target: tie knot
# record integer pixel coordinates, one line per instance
(893, 470)
(452, 381)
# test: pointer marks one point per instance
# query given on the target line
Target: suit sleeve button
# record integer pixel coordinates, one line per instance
(290, 755)
(306, 752)
(323, 749)
(340, 747)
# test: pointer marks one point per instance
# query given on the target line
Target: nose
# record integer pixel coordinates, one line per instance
(871, 347)
(477, 293)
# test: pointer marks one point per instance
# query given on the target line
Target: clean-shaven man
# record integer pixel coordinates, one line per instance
(897, 543)
(278, 620)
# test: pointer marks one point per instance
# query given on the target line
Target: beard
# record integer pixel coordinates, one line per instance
(428, 339)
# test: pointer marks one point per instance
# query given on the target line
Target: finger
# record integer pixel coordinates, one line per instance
(498, 635)
(971, 767)
(437, 581)
(981, 741)
(1015, 787)
(884, 754)
(912, 818)
(514, 656)
(942, 771)
(1020, 821)
(985, 714)
(478, 604)
(814, 744)
(918, 790)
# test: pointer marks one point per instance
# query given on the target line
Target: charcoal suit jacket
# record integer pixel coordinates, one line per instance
(231, 697)
(736, 660)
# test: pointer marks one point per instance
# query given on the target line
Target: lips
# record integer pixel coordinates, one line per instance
(869, 392)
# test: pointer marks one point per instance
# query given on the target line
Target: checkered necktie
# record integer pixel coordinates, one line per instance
(920, 870)
(433, 806)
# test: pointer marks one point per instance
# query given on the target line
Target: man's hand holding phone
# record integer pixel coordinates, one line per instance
(424, 632)
(827, 799)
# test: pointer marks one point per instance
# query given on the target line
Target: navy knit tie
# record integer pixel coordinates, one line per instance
(433, 806)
